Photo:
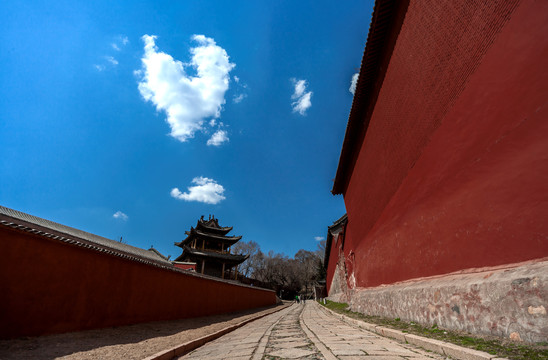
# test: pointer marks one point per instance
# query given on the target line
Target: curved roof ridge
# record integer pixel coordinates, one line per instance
(209, 253)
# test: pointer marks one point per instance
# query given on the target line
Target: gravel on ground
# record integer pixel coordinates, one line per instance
(123, 342)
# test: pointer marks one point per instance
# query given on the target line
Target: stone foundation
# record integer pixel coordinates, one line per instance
(508, 302)
(339, 290)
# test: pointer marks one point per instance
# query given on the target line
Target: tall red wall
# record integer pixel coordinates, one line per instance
(48, 286)
(453, 170)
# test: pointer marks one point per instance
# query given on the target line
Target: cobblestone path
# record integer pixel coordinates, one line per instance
(306, 332)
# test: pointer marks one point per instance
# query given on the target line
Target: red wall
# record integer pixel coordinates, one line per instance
(185, 266)
(48, 286)
(453, 171)
(332, 264)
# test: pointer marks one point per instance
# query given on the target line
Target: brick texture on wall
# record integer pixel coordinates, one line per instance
(453, 170)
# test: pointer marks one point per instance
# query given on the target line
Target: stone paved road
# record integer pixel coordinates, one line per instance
(306, 332)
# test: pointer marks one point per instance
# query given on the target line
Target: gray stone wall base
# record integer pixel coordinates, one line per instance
(509, 302)
(338, 291)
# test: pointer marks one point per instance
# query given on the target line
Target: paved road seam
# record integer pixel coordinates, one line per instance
(261, 347)
(187, 347)
(323, 349)
(440, 347)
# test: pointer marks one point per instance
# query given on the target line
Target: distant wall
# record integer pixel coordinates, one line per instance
(185, 265)
(453, 170)
(49, 286)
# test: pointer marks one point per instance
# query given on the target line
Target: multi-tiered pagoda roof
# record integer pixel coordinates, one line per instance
(208, 245)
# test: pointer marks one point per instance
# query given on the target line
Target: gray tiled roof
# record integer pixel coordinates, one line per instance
(36, 225)
(213, 254)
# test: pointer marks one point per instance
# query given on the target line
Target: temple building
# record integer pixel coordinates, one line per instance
(208, 247)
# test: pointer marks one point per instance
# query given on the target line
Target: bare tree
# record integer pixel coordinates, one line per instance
(251, 248)
(280, 272)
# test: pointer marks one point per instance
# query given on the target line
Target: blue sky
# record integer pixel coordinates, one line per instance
(133, 119)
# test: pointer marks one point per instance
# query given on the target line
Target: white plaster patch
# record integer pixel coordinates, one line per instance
(515, 336)
(352, 281)
(537, 310)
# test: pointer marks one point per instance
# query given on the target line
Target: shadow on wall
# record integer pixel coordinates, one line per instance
(51, 286)
(76, 342)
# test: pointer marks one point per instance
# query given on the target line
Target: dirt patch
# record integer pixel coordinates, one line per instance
(124, 342)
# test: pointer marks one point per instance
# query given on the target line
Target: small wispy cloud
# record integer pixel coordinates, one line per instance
(301, 97)
(218, 138)
(238, 98)
(319, 238)
(120, 42)
(188, 101)
(205, 190)
(240, 89)
(111, 60)
(120, 215)
(353, 83)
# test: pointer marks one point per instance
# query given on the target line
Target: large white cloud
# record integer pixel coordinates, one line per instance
(187, 100)
(205, 190)
(353, 83)
(301, 97)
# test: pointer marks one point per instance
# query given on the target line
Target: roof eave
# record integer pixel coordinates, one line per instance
(386, 22)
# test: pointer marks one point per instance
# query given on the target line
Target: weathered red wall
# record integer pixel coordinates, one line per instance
(185, 266)
(331, 265)
(453, 171)
(48, 286)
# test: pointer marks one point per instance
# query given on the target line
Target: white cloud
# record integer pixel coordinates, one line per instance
(120, 215)
(319, 238)
(238, 98)
(99, 67)
(219, 137)
(121, 40)
(300, 87)
(353, 83)
(301, 96)
(111, 60)
(205, 190)
(187, 100)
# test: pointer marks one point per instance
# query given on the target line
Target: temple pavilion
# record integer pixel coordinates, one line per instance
(208, 246)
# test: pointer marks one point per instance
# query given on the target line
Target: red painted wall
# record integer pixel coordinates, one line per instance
(48, 286)
(186, 266)
(453, 170)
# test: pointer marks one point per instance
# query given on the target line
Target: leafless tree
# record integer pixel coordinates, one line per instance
(279, 271)
(251, 248)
